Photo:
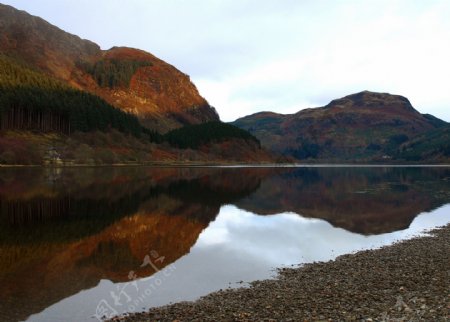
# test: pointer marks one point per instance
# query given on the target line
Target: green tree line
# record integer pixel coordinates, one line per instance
(31, 100)
(193, 136)
(113, 72)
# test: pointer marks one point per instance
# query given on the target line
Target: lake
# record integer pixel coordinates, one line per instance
(77, 244)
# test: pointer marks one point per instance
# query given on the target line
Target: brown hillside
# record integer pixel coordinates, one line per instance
(363, 126)
(160, 95)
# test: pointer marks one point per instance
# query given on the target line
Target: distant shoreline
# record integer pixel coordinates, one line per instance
(229, 165)
(407, 281)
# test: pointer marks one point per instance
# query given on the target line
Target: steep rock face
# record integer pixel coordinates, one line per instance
(160, 95)
(362, 126)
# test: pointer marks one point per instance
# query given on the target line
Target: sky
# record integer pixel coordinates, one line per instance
(248, 56)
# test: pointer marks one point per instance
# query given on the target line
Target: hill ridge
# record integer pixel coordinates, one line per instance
(161, 96)
(364, 127)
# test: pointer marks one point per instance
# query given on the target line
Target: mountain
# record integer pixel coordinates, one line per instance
(365, 126)
(124, 105)
(133, 80)
(65, 101)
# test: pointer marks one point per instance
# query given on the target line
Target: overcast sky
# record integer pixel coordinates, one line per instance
(247, 56)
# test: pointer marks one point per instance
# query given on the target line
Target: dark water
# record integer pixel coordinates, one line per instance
(79, 243)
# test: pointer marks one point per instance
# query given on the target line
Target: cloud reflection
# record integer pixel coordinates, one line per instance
(241, 246)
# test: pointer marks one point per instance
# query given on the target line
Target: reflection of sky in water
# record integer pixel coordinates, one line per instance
(237, 246)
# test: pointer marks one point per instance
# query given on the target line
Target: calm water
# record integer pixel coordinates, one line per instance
(79, 243)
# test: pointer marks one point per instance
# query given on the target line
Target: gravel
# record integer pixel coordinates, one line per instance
(408, 281)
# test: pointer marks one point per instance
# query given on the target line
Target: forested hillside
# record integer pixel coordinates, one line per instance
(193, 136)
(43, 120)
(30, 100)
(433, 146)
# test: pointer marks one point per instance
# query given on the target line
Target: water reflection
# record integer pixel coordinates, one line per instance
(237, 246)
(362, 200)
(87, 229)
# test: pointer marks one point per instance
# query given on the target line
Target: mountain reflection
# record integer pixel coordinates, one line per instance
(74, 227)
(361, 200)
(63, 230)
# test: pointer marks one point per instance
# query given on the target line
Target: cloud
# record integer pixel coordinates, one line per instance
(247, 56)
(393, 50)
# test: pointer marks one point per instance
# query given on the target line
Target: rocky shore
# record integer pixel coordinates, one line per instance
(408, 281)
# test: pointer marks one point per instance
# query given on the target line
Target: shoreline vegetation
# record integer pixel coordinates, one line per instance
(188, 164)
(98, 149)
(226, 165)
(406, 281)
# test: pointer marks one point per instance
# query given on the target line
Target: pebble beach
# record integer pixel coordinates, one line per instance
(407, 281)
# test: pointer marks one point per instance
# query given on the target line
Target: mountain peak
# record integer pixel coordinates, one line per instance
(368, 99)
